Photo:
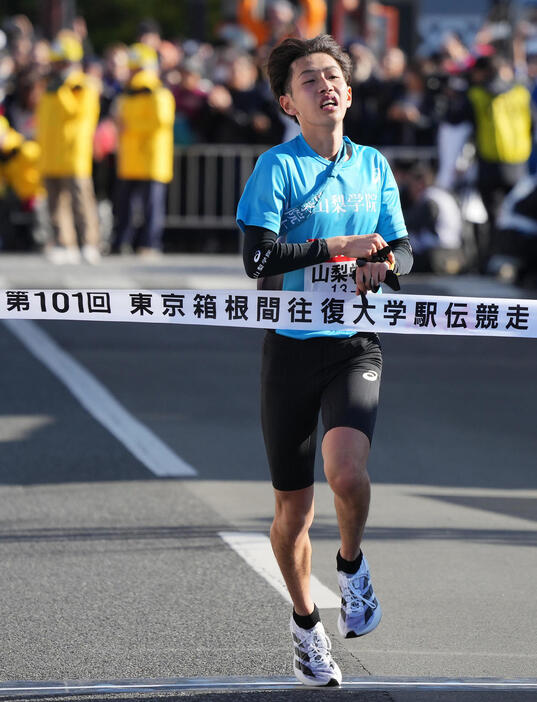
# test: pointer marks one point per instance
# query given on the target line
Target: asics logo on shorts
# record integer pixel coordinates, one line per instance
(370, 375)
(257, 255)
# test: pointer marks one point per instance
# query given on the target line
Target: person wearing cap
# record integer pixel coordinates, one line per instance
(146, 113)
(67, 115)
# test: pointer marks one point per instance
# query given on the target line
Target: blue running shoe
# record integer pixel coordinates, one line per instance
(312, 661)
(360, 611)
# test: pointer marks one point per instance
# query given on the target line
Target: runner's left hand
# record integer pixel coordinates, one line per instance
(369, 276)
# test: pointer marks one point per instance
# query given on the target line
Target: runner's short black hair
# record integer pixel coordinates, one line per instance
(291, 49)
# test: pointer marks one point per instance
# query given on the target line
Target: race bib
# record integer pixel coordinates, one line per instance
(336, 276)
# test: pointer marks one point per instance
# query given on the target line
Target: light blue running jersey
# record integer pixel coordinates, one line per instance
(362, 198)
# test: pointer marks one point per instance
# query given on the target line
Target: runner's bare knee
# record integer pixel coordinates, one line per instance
(345, 454)
(294, 511)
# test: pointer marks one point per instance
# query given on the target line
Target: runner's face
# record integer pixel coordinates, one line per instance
(318, 94)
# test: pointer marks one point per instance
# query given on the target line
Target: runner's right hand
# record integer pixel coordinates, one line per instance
(357, 246)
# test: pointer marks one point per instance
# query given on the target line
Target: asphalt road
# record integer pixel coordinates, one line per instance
(112, 573)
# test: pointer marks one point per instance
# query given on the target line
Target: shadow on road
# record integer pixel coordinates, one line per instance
(182, 534)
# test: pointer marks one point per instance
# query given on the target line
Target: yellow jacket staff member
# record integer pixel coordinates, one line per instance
(67, 115)
(19, 161)
(145, 114)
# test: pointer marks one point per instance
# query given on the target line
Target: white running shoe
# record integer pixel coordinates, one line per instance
(360, 611)
(313, 664)
(62, 255)
(91, 254)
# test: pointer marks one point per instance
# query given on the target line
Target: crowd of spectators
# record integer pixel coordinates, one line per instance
(221, 95)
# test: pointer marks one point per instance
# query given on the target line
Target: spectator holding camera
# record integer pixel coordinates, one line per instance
(67, 115)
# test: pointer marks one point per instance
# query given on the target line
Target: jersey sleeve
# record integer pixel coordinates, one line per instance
(391, 224)
(263, 200)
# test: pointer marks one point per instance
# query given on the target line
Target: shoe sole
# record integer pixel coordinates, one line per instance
(314, 683)
(372, 624)
(311, 682)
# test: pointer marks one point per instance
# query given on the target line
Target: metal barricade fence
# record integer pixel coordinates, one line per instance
(209, 179)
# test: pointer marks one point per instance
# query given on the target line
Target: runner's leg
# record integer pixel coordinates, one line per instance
(345, 453)
(349, 408)
(291, 544)
(289, 411)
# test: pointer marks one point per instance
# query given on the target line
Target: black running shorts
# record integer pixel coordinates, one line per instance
(338, 376)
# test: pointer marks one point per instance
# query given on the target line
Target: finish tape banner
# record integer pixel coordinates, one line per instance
(385, 313)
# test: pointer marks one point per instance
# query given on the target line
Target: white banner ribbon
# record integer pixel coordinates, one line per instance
(388, 312)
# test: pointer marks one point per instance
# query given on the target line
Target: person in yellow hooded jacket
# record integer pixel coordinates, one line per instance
(145, 114)
(19, 163)
(67, 115)
(20, 181)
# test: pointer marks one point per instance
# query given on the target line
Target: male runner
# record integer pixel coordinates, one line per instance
(352, 210)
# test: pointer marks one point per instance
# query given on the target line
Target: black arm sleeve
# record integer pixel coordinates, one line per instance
(403, 255)
(263, 255)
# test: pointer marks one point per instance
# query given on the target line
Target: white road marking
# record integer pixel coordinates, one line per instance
(257, 552)
(16, 688)
(19, 427)
(99, 402)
